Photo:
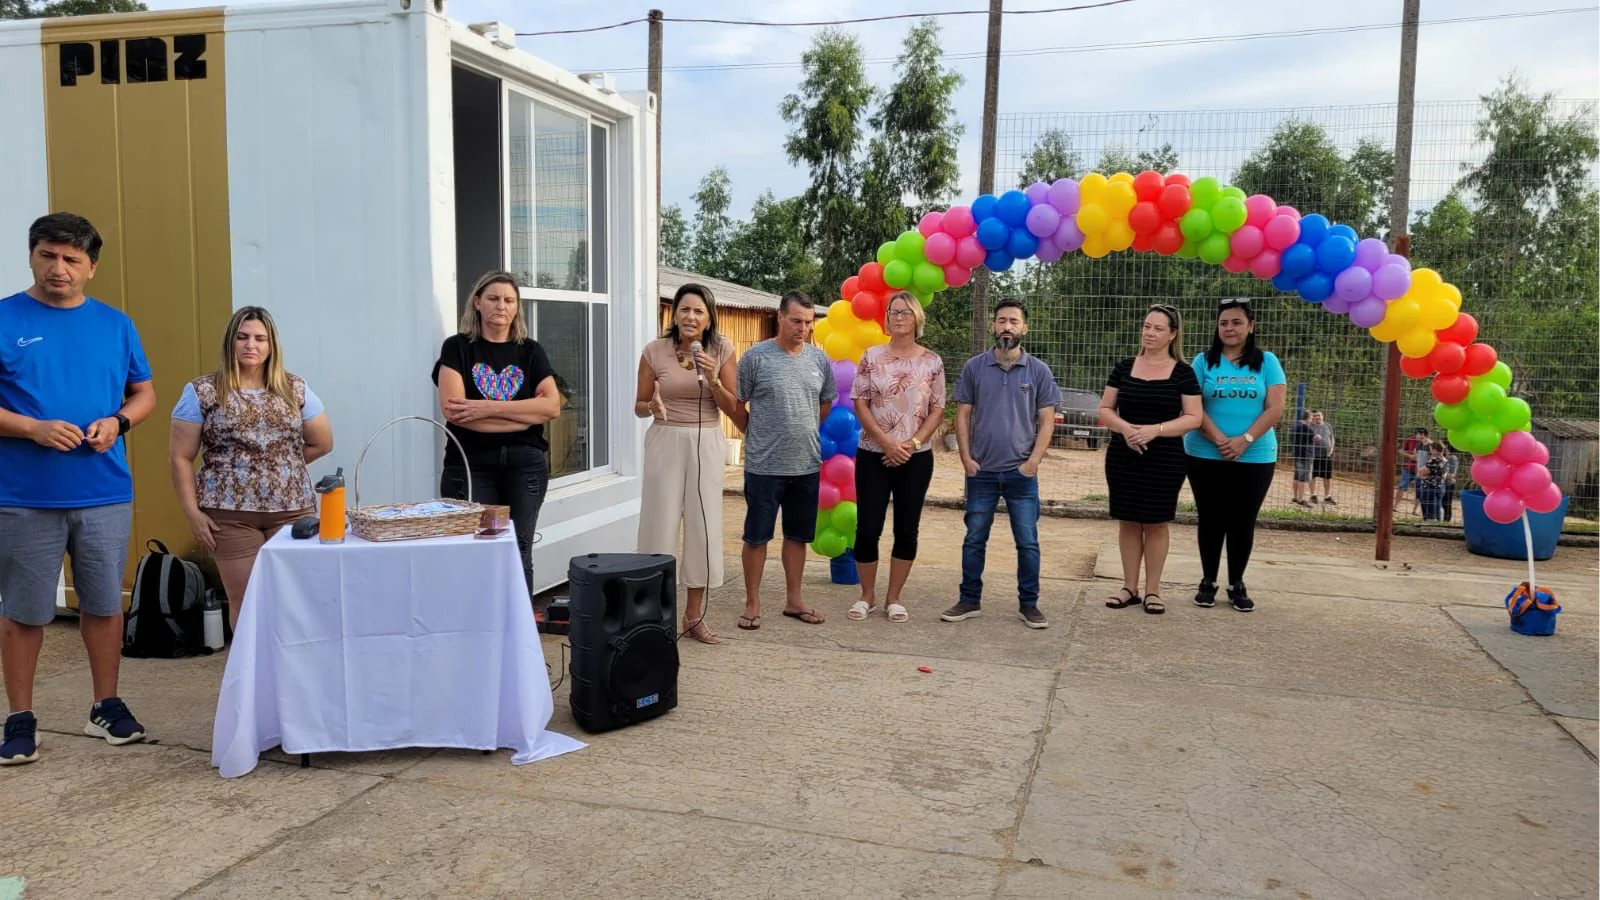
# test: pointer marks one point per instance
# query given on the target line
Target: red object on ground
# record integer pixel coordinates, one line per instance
(926, 670)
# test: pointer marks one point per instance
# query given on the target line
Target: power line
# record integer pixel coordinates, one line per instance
(862, 20)
(1140, 45)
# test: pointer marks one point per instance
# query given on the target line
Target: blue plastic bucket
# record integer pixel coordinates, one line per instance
(1533, 611)
(1486, 537)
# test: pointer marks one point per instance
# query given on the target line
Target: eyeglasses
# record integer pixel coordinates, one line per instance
(897, 313)
(1234, 301)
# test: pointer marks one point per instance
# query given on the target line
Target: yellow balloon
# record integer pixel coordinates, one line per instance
(1122, 178)
(879, 338)
(1095, 246)
(1437, 313)
(1403, 314)
(1120, 199)
(840, 346)
(1119, 236)
(1451, 293)
(866, 332)
(856, 350)
(1386, 332)
(1417, 342)
(1092, 218)
(820, 332)
(839, 309)
(1091, 187)
(1425, 282)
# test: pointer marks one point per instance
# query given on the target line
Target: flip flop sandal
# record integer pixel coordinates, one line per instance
(808, 616)
(858, 610)
(750, 623)
(898, 613)
(1131, 599)
(1153, 604)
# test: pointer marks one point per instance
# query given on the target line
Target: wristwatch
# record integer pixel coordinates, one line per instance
(1249, 438)
(122, 423)
(916, 443)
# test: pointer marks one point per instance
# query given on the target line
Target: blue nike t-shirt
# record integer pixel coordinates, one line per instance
(1234, 397)
(73, 365)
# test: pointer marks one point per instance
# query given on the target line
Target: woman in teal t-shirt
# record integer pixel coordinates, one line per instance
(1233, 456)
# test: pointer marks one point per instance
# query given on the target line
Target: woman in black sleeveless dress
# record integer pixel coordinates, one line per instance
(1150, 401)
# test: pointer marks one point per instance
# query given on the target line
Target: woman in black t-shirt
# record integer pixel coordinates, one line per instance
(497, 390)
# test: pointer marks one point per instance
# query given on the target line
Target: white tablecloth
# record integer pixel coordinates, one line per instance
(372, 646)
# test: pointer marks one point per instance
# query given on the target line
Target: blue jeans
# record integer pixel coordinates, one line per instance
(1431, 496)
(1021, 493)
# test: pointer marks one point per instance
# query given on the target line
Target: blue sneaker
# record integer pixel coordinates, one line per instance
(111, 720)
(21, 740)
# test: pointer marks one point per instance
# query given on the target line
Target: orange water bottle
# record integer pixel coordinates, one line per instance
(330, 527)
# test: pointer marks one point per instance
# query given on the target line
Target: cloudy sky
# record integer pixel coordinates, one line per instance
(723, 83)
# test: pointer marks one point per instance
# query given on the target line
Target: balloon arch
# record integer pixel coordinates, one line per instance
(1326, 264)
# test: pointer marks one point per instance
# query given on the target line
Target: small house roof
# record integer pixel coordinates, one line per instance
(727, 293)
(1569, 429)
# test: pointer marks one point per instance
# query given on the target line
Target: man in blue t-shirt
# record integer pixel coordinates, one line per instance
(73, 380)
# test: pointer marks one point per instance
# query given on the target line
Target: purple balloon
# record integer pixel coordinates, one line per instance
(1068, 237)
(1049, 251)
(1390, 281)
(1336, 304)
(1352, 284)
(1368, 312)
(1037, 193)
(1395, 259)
(1043, 220)
(1064, 197)
(1370, 254)
(844, 376)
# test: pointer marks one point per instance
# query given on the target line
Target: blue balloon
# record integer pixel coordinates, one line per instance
(848, 448)
(1335, 253)
(828, 448)
(1285, 282)
(983, 207)
(1298, 261)
(993, 234)
(1315, 288)
(1346, 232)
(839, 425)
(1313, 229)
(1021, 244)
(997, 261)
(1012, 208)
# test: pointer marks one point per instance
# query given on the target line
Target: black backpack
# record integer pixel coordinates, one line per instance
(167, 619)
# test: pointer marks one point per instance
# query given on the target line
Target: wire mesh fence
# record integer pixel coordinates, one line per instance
(1502, 204)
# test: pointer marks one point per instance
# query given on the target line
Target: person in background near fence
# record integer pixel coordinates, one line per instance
(497, 389)
(1005, 415)
(1430, 482)
(73, 381)
(686, 384)
(899, 399)
(258, 427)
(1452, 465)
(1300, 452)
(1322, 458)
(785, 389)
(1150, 402)
(1234, 453)
(1408, 466)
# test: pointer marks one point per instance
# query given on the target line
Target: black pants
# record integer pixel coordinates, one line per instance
(1449, 501)
(875, 484)
(1227, 498)
(514, 477)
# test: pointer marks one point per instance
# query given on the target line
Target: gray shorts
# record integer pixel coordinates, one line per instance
(32, 544)
(1302, 470)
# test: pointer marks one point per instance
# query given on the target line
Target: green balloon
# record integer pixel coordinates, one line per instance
(925, 299)
(1205, 192)
(927, 278)
(908, 246)
(1500, 374)
(1228, 214)
(824, 521)
(1479, 439)
(829, 543)
(1235, 193)
(844, 517)
(1189, 250)
(887, 253)
(897, 273)
(850, 542)
(1485, 399)
(1196, 224)
(1215, 248)
(1513, 415)
(1451, 416)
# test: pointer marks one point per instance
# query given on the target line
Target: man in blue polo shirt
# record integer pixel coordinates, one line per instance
(1005, 412)
(73, 380)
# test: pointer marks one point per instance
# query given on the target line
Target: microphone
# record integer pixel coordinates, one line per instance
(694, 350)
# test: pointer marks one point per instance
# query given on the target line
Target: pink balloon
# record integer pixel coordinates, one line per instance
(1064, 197)
(1547, 501)
(1289, 211)
(1259, 209)
(827, 495)
(1282, 231)
(1067, 236)
(1236, 265)
(957, 275)
(939, 248)
(1503, 506)
(1043, 220)
(1266, 264)
(1353, 284)
(958, 222)
(1368, 312)
(969, 252)
(932, 221)
(1037, 193)
(1542, 457)
(839, 469)
(1049, 251)
(1530, 479)
(847, 493)
(1247, 242)
(1492, 472)
(1518, 447)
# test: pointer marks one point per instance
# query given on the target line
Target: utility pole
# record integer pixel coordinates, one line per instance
(991, 100)
(1399, 215)
(654, 85)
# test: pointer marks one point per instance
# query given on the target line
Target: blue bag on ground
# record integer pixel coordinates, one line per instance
(1533, 611)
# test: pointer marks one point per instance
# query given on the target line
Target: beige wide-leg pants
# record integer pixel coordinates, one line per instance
(683, 472)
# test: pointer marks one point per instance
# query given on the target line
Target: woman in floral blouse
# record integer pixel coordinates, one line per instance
(899, 398)
(258, 427)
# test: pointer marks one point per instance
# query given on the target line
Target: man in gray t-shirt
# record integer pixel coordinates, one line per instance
(785, 389)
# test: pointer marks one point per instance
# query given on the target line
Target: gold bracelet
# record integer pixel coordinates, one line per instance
(1161, 427)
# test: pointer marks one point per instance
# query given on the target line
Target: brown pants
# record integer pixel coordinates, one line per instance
(241, 534)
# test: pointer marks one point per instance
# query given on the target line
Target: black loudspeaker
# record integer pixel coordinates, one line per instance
(624, 649)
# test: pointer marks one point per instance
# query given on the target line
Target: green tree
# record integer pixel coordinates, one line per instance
(916, 121)
(713, 229)
(1051, 158)
(769, 252)
(1116, 158)
(674, 248)
(24, 9)
(1301, 167)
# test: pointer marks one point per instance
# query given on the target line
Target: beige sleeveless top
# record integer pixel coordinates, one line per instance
(687, 402)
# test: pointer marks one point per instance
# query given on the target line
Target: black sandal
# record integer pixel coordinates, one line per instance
(1154, 606)
(1120, 603)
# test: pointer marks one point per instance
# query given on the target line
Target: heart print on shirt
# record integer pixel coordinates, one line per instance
(502, 385)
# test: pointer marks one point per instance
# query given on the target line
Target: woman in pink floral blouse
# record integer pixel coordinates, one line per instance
(899, 398)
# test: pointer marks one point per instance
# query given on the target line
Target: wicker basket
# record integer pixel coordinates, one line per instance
(402, 521)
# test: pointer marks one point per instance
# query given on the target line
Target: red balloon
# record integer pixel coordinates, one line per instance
(1448, 357)
(1480, 358)
(1147, 186)
(1143, 243)
(871, 278)
(1416, 366)
(1463, 332)
(852, 287)
(1144, 218)
(1450, 388)
(867, 306)
(1178, 178)
(1168, 239)
(1175, 200)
